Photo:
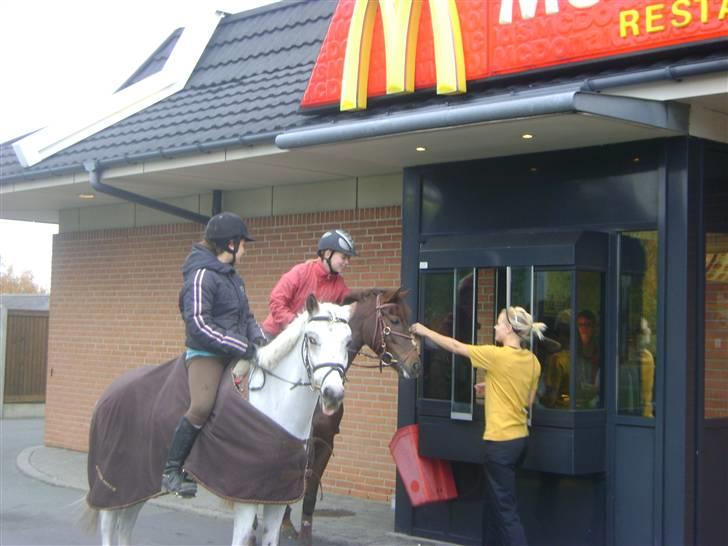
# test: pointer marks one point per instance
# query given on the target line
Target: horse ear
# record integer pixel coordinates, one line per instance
(402, 292)
(311, 304)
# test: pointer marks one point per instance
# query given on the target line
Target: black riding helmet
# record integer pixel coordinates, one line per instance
(336, 240)
(225, 227)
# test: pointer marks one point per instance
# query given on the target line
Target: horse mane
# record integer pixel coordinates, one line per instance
(389, 295)
(270, 355)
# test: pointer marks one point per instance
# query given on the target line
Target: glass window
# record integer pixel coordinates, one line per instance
(553, 307)
(589, 336)
(637, 328)
(437, 314)
(449, 299)
(716, 325)
(462, 371)
(485, 321)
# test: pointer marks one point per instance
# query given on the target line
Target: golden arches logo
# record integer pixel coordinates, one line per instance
(400, 23)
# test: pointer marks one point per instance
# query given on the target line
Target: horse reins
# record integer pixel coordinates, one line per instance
(382, 331)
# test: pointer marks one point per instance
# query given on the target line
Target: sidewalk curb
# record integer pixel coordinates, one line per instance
(24, 462)
(67, 468)
(25, 466)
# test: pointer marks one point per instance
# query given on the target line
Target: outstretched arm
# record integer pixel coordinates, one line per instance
(447, 343)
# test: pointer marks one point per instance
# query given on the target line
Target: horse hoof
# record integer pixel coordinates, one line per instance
(304, 537)
(288, 530)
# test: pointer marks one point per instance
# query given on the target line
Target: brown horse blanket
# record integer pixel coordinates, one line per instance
(240, 454)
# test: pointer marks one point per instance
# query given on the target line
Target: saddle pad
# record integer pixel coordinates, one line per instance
(240, 453)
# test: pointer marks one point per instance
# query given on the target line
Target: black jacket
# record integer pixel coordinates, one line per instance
(215, 307)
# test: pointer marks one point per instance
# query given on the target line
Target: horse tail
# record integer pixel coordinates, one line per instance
(88, 521)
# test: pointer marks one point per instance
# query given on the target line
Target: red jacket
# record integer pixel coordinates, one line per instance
(290, 292)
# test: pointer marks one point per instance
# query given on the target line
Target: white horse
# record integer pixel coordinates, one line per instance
(306, 363)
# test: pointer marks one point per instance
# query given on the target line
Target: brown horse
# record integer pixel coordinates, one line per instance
(380, 321)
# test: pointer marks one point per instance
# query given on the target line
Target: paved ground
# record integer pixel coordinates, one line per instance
(42, 489)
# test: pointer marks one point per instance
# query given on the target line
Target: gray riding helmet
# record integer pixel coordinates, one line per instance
(337, 240)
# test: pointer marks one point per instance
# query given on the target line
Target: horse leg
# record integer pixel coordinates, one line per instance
(287, 528)
(272, 517)
(125, 522)
(324, 430)
(107, 524)
(243, 532)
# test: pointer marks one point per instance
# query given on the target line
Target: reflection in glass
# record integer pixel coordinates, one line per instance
(462, 371)
(437, 364)
(553, 306)
(484, 322)
(588, 361)
(520, 288)
(637, 345)
(716, 325)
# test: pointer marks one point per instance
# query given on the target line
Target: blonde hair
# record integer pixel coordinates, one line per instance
(522, 323)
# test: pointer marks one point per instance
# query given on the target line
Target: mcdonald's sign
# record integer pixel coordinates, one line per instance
(389, 47)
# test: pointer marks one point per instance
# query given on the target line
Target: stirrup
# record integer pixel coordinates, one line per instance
(179, 483)
(188, 489)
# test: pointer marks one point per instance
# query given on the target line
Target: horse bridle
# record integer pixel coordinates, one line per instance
(382, 331)
(311, 369)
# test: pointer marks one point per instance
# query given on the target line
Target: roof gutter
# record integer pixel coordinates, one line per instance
(673, 72)
(661, 115)
(161, 153)
(94, 172)
(502, 108)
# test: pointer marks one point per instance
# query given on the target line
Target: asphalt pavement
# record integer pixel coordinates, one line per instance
(42, 491)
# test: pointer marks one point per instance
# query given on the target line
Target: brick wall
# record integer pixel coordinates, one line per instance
(114, 307)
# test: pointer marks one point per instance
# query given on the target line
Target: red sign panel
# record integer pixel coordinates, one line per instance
(511, 36)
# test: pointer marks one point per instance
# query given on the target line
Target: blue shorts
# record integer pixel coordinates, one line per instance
(192, 353)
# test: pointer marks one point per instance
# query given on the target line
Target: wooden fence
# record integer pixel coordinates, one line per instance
(26, 356)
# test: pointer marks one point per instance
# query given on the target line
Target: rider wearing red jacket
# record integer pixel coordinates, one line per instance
(320, 277)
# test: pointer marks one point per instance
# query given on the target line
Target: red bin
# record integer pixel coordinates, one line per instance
(426, 480)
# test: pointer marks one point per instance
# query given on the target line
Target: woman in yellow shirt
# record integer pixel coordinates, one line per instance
(511, 378)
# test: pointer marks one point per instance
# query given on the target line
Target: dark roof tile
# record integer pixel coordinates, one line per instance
(249, 81)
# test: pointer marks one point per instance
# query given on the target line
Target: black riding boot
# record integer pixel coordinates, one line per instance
(174, 480)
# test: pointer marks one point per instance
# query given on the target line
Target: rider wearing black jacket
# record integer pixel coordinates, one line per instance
(214, 306)
(219, 327)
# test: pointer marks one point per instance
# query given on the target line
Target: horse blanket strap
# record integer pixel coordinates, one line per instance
(240, 454)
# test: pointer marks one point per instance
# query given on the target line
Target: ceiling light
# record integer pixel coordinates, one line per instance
(86, 196)
(636, 159)
(526, 136)
(421, 149)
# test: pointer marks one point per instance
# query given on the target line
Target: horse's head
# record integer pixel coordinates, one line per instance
(381, 320)
(326, 338)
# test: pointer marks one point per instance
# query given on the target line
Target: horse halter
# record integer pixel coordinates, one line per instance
(311, 369)
(383, 331)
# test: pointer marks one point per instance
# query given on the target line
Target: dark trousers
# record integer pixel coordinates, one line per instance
(501, 510)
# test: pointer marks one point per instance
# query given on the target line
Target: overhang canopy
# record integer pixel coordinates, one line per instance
(593, 119)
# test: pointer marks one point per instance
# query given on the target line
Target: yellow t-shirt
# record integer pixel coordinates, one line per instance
(511, 374)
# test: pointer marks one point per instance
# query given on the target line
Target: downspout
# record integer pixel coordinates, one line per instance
(94, 171)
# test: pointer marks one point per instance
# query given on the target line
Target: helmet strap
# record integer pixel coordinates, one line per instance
(327, 259)
(234, 251)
